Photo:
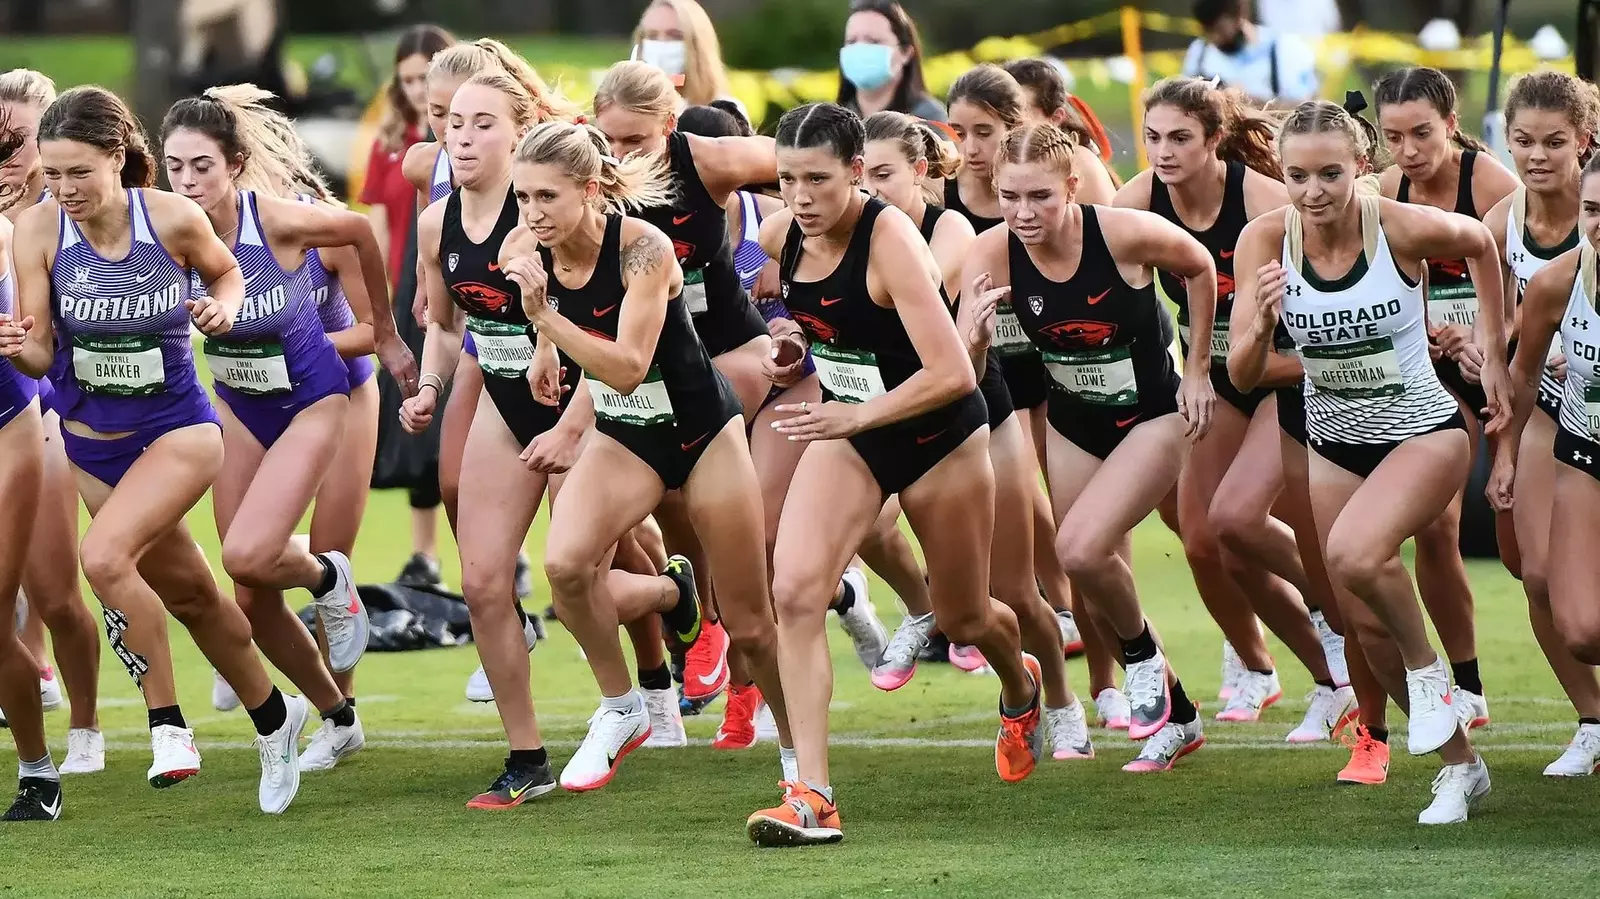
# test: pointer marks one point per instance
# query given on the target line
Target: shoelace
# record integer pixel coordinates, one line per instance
(271, 763)
(1014, 730)
(908, 641)
(513, 775)
(1144, 681)
(1586, 741)
(1251, 690)
(1068, 726)
(610, 734)
(704, 653)
(1449, 778)
(1166, 741)
(168, 740)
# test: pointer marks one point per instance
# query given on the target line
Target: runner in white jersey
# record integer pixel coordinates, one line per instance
(1550, 117)
(1389, 446)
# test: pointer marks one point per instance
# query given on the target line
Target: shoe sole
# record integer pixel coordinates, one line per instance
(1072, 755)
(1342, 723)
(1476, 723)
(1265, 704)
(1138, 731)
(1072, 650)
(1170, 765)
(530, 793)
(172, 778)
(615, 764)
(771, 832)
(891, 683)
(1357, 782)
(1113, 723)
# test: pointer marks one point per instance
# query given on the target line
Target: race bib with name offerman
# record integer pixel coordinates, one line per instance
(1357, 371)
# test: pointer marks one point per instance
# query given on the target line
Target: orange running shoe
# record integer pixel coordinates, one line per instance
(804, 818)
(738, 730)
(1369, 759)
(1021, 740)
(705, 671)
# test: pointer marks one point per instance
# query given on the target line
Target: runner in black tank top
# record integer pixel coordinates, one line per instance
(996, 395)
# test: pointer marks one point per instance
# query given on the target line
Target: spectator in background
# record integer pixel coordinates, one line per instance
(676, 36)
(1269, 67)
(390, 198)
(880, 64)
(234, 42)
(1305, 18)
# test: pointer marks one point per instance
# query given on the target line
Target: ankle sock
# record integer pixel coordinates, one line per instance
(166, 716)
(1139, 649)
(270, 715)
(1466, 676)
(658, 678)
(1183, 711)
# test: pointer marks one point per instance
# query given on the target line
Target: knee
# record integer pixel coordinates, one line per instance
(1200, 544)
(798, 595)
(1085, 557)
(105, 566)
(966, 626)
(1355, 568)
(483, 583)
(570, 577)
(749, 628)
(1584, 642)
(249, 561)
(1232, 523)
(1440, 537)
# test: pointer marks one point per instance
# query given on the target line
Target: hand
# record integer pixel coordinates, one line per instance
(769, 284)
(527, 272)
(13, 335)
(1558, 367)
(1270, 281)
(555, 451)
(817, 421)
(210, 316)
(1196, 396)
(1502, 478)
(980, 330)
(1497, 389)
(1451, 338)
(416, 413)
(1470, 359)
(785, 365)
(548, 382)
(399, 363)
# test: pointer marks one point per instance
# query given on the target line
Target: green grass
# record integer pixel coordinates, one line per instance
(924, 812)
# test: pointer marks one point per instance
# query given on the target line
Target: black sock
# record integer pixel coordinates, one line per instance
(350, 701)
(528, 758)
(1264, 672)
(1139, 649)
(1466, 674)
(169, 715)
(522, 614)
(1326, 682)
(270, 715)
(1587, 720)
(657, 678)
(1183, 711)
(1381, 734)
(343, 714)
(847, 598)
(328, 577)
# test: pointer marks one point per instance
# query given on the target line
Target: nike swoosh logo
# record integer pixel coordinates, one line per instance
(715, 675)
(694, 443)
(1448, 699)
(52, 810)
(517, 794)
(355, 603)
(494, 267)
(745, 276)
(680, 219)
(602, 313)
(1226, 254)
(1094, 300)
(828, 302)
(930, 438)
(1122, 423)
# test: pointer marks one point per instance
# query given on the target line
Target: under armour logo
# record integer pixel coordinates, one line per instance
(1581, 324)
(1518, 257)
(1292, 290)
(1586, 459)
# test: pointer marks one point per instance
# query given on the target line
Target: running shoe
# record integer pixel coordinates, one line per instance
(967, 658)
(344, 618)
(1332, 649)
(613, 733)
(280, 758)
(1472, 710)
(766, 725)
(1149, 696)
(1456, 789)
(1172, 742)
(478, 689)
(666, 723)
(1112, 708)
(1232, 668)
(1433, 715)
(1582, 755)
(805, 817)
(1069, 732)
(1020, 742)
(522, 579)
(860, 621)
(937, 650)
(1369, 760)
(683, 634)
(1071, 637)
(223, 699)
(899, 660)
(738, 729)
(420, 572)
(49, 689)
(86, 752)
(38, 799)
(1252, 693)
(331, 744)
(1327, 711)
(705, 673)
(175, 758)
(515, 785)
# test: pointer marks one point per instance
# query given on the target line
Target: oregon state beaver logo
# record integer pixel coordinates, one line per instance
(1455, 268)
(819, 329)
(683, 249)
(1081, 334)
(481, 297)
(1225, 286)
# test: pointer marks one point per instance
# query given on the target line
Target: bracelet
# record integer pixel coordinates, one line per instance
(431, 380)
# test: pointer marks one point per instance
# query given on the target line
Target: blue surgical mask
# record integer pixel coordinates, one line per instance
(867, 66)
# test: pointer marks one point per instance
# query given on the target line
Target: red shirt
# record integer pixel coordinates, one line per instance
(387, 186)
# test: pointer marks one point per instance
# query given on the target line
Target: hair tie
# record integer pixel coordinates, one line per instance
(1355, 102)
(610, 160)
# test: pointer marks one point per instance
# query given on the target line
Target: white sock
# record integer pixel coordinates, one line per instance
(627, 702)
(44, 768)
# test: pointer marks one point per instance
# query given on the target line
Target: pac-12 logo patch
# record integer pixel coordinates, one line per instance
(1036, 304)
(453, 261)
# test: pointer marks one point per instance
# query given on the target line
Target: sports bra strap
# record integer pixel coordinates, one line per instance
(1519, 208)
(1587, 272)
(1294, 230)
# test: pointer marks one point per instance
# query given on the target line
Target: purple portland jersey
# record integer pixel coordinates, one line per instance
(122, 346)
(333, 308)
(16, 389)
(443, 177)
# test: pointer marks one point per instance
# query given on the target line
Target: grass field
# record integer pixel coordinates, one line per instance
(925, 814)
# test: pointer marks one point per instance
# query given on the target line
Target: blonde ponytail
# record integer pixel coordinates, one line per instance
(583, 153)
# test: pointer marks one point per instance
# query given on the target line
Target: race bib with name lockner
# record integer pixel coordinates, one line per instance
(694, 291)
(1452, 304)
(1009, 339)
(254, 369)
(648, 404)
(1103, 377)
(504, 350)
(851, 376)
(118, 366)
(1357, 371)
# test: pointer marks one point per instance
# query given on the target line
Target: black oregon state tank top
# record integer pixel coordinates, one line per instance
(1219, 240)
(1452, 300)
(952, 202)
(472, 270)
(698, 227)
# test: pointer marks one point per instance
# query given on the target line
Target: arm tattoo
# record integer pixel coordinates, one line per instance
(643, 256)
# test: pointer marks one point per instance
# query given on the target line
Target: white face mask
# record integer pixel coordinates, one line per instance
(668, 56)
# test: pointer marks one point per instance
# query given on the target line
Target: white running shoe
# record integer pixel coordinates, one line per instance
(1252, 693)
(861, 620)
(343, 616)
(478, 689)
(1472, 710)
(86, 752)
(223, 699)
(175, 758)
(50, 692)
(766, 725)
(1433, 714)
(1232, 669)
(1149, 696)
(1332, 649)
(280, 758)
(331, 744)
(1581, 757)
(1071, 636)
(1069, 732)
(666, 721)
(898, 663)
(1112, 708)
(613, 733)
(1326, 711)
(1455, 790)
(1172, 742)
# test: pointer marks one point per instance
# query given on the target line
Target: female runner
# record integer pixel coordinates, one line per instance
(137, 426)
(1118, 414)
(1551, 119)
(1437, 165)
(1388, 444)
(902, 415)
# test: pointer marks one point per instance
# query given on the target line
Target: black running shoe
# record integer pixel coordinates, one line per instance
(421, 573)
(38, 799)
(937, 650)
(516, 785)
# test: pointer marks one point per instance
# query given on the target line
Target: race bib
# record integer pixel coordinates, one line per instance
(1358, 371)
(1455, 304)
(648, 404)
(1591, 409)
(1009, 340)
(694, 291)
(851, 376)
(256, 369)
(504, 350)
(1219, 339)
(1103, 377)
(118, 366)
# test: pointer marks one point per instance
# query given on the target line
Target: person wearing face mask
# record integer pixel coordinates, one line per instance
(880, 64)
(677, 37)
(1239, 53)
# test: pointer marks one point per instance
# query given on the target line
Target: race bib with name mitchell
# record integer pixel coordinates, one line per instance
(648, 404)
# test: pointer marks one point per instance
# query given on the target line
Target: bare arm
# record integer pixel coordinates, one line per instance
(378, 216)
(985, 257)
(441, 348)
(356, 340)
(321, 227)
(1257, 305)
(726, 164)
(1136, 193)
(952, 240)
(1543, 305)
(1422, 232)
(185, 230)
(1146, 239)
(33, 240)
